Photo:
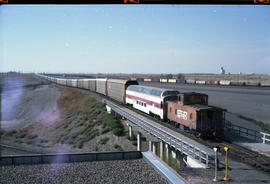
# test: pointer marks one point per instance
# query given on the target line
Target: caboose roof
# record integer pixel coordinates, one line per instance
(199, 107)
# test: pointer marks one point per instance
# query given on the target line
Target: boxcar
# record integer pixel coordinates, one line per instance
(191, 111)
(190, 81)
(250, 83)
(101, 86)
(83, 83)
(211, 82)
(265, 84)
(92, 84)
(74, 83)
(61, 82)
(69, 82)
(200, 82)
(225, 82)
(163, 80)
(237, 83)
(116, 88)
(147, 80)
(172, 80)
(80, 83)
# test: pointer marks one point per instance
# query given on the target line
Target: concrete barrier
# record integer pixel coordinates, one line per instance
(67, 157)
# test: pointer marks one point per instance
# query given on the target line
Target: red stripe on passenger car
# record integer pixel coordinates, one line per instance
(144, 100)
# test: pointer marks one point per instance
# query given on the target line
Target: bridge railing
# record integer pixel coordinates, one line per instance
(242, 131)
(163, 135)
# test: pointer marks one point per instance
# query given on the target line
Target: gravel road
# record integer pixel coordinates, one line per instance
(120, 171)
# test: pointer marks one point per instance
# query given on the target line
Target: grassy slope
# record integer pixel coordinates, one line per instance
(82, 119)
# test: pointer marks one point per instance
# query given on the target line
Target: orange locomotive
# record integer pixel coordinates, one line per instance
(191, 112)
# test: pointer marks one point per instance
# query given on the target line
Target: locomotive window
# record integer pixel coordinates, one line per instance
(190, 115)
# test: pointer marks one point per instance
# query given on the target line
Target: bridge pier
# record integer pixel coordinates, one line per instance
(167, 150)
(150, 146)
(155, 148)
(161, 150)
(130, 132)
(173, 154)
(139, 141)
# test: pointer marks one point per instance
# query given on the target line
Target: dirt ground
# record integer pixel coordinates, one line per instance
(48, 119)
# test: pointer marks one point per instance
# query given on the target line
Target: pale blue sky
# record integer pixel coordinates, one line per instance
(135, 39)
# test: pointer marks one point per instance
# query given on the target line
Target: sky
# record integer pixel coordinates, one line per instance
(134, 38)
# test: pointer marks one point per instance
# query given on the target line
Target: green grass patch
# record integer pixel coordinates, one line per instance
(104, 140)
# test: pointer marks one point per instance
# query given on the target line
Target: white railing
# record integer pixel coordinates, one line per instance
(264, 137)
(163, 135)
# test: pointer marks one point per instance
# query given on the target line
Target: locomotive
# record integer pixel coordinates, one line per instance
(189, 111)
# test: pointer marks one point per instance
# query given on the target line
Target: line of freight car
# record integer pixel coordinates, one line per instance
(211, 82)
(113, 88)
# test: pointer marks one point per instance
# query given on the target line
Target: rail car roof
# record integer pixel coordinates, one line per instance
(153, 90)
(86, 79)
(101, 79)
(122, 81)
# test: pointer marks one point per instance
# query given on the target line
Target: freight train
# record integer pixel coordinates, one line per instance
(211, 82)
(189, 111)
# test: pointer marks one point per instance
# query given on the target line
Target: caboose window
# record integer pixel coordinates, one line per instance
(180, 98)
(170, 109)
(190, 115)
(175, 111)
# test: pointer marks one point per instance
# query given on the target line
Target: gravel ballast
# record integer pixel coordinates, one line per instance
(119, 171)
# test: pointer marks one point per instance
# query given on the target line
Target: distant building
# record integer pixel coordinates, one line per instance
(222, 71)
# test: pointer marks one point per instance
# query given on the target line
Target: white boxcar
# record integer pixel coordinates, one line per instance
(172, 80)
(163, 80)
(101, 86)
(61, 81)
(200, 82)
(74, 83)
(225, 82)
(265, 84)
(85, 83)
(150, 100)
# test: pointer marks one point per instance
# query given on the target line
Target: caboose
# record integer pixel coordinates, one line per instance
(191, 112)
